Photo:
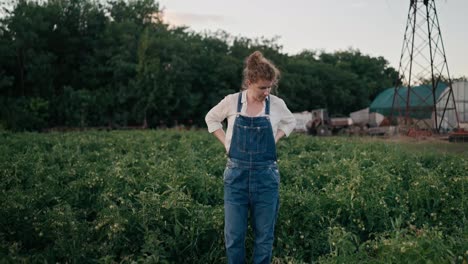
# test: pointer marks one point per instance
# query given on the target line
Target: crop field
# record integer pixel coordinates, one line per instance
(157, 197)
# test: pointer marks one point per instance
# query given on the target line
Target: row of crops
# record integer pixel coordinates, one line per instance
(157, 197)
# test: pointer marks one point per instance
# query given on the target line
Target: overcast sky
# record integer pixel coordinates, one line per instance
(375, 27)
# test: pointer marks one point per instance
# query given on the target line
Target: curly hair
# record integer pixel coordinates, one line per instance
(258, 68)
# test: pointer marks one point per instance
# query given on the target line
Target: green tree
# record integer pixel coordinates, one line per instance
(119, 64)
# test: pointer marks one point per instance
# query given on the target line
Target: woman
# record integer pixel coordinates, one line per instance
(256, 121)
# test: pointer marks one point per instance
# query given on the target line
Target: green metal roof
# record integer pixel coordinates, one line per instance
(420, 101)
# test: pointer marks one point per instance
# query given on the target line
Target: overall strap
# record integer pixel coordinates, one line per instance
(267, 106)
(239, 103)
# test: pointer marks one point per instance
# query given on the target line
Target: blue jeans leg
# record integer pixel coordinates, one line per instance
(235, 229)
(264, 220)
(236, 208)
(264, 211)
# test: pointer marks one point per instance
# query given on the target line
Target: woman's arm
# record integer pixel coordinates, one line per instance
(279, 134)
(214, 118)
(220, 135)
(287, 122)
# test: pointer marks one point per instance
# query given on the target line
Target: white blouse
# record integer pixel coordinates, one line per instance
(280, 116)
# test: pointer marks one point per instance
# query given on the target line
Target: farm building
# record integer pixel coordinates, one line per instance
(420, 104)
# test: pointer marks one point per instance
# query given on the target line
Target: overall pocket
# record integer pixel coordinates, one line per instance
(230, 174)
(274, 174)
(252, 139)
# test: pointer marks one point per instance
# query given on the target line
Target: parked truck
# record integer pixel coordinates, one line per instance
(322, 125)
(362, 122)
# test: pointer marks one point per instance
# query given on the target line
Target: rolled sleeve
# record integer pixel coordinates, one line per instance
(288, 121)
(216, 115)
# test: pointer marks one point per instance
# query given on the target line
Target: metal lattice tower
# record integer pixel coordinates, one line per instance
(419, 102)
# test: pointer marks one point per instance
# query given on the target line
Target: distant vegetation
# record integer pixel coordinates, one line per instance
(78, 63)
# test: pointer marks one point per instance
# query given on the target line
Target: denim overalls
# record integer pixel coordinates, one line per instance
(251, 183)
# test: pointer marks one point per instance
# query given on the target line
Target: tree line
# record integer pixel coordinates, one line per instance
(81, 63)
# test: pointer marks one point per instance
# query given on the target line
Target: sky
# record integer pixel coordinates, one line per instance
(374, 27)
